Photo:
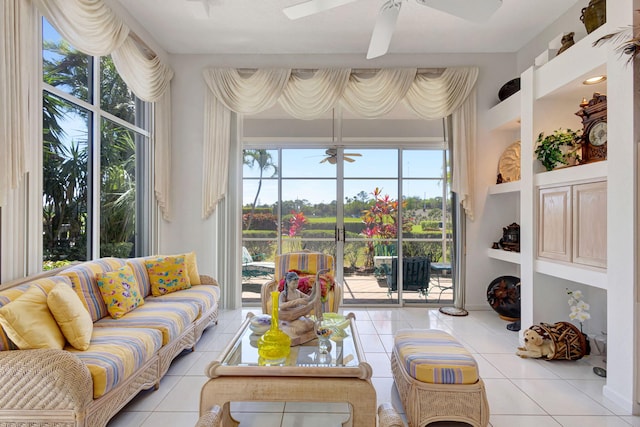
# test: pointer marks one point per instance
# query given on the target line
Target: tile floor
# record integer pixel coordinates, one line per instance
(521, 392)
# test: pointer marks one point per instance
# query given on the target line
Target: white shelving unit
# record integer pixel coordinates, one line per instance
(505, 188)
(512, 257)
(548, 100)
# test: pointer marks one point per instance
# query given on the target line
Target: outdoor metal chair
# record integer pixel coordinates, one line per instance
(415, 274)
(252, 269)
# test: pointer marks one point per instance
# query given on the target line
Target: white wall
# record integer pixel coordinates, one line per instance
(189, 231)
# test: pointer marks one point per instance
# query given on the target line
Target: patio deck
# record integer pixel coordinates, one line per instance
(366, 290)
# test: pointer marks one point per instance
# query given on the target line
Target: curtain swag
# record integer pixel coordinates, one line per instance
(374, 95)
(92, 28)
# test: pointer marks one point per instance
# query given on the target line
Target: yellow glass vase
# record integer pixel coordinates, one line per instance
(274, 345)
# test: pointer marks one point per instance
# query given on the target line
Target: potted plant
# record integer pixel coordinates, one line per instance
(559, 148)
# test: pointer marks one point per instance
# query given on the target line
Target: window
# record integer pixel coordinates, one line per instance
(95, 157)
(380, 193)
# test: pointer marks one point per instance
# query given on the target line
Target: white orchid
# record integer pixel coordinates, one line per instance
(579, 308)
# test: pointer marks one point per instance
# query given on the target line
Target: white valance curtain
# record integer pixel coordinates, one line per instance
(305, 97)
(19, 91)
(91, 27)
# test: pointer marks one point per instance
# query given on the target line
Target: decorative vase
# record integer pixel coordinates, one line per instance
(274, 345)
(594, 15)
(503, 295)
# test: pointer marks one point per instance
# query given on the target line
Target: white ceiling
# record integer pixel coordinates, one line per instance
(260, 27)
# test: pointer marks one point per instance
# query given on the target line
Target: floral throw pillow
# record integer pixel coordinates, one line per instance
(167, 274)
(120, 291)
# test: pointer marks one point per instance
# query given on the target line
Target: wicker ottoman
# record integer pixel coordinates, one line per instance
(437, 379)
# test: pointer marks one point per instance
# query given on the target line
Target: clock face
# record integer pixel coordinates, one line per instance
(598, 134)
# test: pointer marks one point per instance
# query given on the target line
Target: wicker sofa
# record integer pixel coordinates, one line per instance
(71, 387)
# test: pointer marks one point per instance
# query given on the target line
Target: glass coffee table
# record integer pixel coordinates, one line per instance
(342, 376)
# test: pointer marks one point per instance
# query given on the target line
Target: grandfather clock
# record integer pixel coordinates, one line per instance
(594, 128)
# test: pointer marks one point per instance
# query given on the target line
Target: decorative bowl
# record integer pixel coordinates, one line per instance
(260, 324)
(509, 88)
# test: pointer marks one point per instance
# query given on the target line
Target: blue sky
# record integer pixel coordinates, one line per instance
(304, 177)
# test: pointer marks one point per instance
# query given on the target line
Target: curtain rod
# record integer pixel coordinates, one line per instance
(353, 70)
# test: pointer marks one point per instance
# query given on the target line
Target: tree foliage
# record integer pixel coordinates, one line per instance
(66, 160)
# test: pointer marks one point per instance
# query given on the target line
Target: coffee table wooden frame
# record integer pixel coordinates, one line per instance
(230, 383)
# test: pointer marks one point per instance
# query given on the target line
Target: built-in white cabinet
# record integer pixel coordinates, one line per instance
(590, 224)
(554, 223)
(572, 223)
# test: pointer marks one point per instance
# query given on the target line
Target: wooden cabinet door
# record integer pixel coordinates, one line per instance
(590, 224)
(554, 223)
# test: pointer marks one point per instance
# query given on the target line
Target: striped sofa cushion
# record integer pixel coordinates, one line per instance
(140, 272)
(83, 280)
(170, 318)
(204, 297)
(116, 353)
(434, 356)
(303, 261)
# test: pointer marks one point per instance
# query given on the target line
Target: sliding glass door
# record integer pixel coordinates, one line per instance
(344, 202)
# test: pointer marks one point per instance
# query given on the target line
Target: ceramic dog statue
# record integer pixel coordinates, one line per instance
(537, 344)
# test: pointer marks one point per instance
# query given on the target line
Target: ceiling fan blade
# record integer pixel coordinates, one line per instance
(353, 154)
(383, 31)
(349, 160)
(312, 7)
(325, 159)
(471, 10)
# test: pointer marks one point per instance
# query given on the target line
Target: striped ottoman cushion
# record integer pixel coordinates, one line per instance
(434, 356)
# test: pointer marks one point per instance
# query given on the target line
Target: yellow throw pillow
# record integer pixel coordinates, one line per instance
(120, 291)
(71, 315)
(192, 268)
(28, 322)
(167, 274)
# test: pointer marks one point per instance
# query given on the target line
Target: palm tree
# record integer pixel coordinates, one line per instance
(65, 163)
(264, 160)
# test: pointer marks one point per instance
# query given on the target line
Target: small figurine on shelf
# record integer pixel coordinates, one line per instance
(510, 240)
(567, 42)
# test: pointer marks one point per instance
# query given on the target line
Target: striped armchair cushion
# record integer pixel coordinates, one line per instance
(304, 261)
(434, 356)
(116, 353)
(84, 282)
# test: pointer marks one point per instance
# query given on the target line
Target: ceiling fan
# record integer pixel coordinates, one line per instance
(332, 156)
(471, 10)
